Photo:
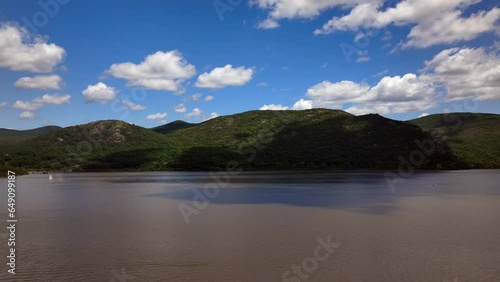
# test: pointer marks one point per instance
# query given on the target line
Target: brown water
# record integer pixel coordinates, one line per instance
(128, 227)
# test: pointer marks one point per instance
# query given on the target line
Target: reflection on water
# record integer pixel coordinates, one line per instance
(441, 226)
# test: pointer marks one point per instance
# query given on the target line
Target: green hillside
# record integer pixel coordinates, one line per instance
(474, 138)
(255, 140)
(78, 147)
(310, 139)
(10, 137)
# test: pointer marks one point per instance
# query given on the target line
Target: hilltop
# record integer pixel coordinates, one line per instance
(473, 137)
(172, 126)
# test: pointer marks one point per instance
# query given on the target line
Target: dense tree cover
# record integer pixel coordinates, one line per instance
(474, 138)
(255, 140)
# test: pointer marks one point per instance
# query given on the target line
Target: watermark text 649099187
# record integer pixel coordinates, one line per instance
(11, 221)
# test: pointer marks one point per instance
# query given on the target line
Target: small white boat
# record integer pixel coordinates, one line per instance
(50, 176)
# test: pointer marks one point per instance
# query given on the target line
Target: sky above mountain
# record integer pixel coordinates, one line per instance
(67, 62)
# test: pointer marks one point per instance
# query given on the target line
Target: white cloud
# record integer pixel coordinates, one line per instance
(212, 115)
(20, 51)
(225, 76)
(133, 106)
(273, 107)
(362, 59)
(158, 117)
(99, 92)
(423, 115)
(196, 97)
(333, 95)
(3, 104)
(290, 9)
(434, 21)
(453, 74)
(451, 28)
(303, 105)
(299, 105)
(27, 115)
(195, 113)
(262, 84)
(381, 73)
(268, 24)
(390, 95)
(27, 106)
(209, 98)
(46, 82)
(54, 99)
(466, 73)
(180, 108)
(159, 71)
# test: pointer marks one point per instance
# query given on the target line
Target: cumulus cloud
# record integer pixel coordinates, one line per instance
(55, 99)
(159, 71)
(20, 51)
(196, 97)
(29, 107)
(212, 115)
(467, 73)
(268, 24)
(303, 105)
(180, 108)
(299, 105)
(27, 115)
(209, 98)
(290, 9)
(158, 117)
(46, 82)
(433, 21)
(196, 113)
(453, 74)
(396, 94)
(100, 93)
(273, 107)
(225, 76)
(133, 106)
(3, 104)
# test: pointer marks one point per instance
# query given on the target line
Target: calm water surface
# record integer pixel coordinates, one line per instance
(441, 226)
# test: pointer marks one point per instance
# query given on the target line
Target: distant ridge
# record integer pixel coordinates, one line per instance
(12, 136)
(172, 126)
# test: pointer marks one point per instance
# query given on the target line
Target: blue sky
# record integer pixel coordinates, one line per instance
(66, 62)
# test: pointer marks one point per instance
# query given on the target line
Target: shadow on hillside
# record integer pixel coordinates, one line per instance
(205, 158)
(132, 159)
(363, 142)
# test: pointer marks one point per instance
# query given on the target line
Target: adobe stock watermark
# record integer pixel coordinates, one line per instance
(222, 179)
(223, 6)
(48, 9)
(359, 46)
(427, 147)
(309, 265)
